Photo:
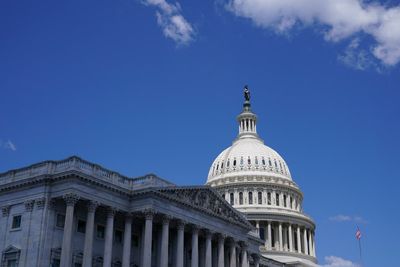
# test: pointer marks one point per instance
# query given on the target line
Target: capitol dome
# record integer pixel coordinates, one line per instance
(248, 156)
(256, 180)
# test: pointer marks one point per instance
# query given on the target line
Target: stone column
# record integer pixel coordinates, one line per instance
(66, 254)
(298, 240)
(221, 251)
(290, 238)
(208, 249)
(164, 241)
(180, 243)
(305, 241)
(285, 238)
(108, 243)
(280, 237)
(195, 246)
(232, 247)
(309, 243)
(258, 227)
(273, 198)
(126, 252)
(88, 247)
(313, 238)
(269, 235)
(148, 236)
(244, 256)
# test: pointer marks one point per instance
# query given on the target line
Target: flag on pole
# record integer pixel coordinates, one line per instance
(358, 234)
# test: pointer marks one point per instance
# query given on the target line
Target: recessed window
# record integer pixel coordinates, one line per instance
(249, 161)
(277, 199)
(60, 220)
(118, 236)
(227, 164)
(231, 198)
(263, 161)
(217, 166)
(135, 240)
(284, 200)
(240, 198)
(269, 198)
(223, 196)
(250, 197)
(222, 165)
(234, 162)
(16, 222)
(100, 231)
(241, 161)
(269, 162)
(81, 228)
(259, 198)
(256, 161)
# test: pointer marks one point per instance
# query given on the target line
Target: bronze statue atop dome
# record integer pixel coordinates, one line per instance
(246, 93)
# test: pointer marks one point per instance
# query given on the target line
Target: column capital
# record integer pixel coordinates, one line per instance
(92, 205)
(180, 224)
(40, 202)
(29, 205)
(111, 211)
(166, 219)
(195, 228)
(149, 213)
(221, 237)
(244, 245)
(71, 199)
(208, 233)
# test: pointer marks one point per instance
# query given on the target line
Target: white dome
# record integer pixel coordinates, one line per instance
(248, 156)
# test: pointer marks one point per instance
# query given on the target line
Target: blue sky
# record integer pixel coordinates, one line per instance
(155, 86)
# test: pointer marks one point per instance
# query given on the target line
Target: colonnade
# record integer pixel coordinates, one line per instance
(229, 252)
(288, 237)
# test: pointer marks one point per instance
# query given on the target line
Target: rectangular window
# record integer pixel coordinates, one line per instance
(60, 220)
(81, 228)
(259, 198)
(118, 236)
(55, 263)
(100, 231)
(231, 199)
(269, 198)
(277, 199)
(12, 263)
(16, 222)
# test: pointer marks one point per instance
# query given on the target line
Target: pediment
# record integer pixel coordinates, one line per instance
(208, 200)
(11, 249)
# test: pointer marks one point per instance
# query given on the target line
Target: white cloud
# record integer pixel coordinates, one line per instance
(333, 261)
(8, 145)
(173, 24)
(347, 218)
(339, 19)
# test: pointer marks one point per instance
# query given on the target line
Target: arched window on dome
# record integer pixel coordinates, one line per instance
(269, 162)
(227, 164)
(248, 161)
(231, 198)
(250, 198)
(277, 199)
(213, 171)
(234, 162)
(241, 161)
(263, 161)
(256, 161)
(259, 198)
(291, 201)
(269, 198)
(276, 165)
(217, 166)
(240, 198)
(280, 164)
(222, 165)
(284, 200)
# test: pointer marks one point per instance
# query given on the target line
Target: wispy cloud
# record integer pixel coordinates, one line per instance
(339, 19)
(8, 145)
(347, 218)
(358, 58)
(333, 261)
(172, 22)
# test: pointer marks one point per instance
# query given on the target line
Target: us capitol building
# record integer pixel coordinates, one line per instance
(76, 213)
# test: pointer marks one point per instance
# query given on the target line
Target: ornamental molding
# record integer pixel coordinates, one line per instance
(29, 205)
(5, 210)
(40, 203)
(71, 199)
(206, 199)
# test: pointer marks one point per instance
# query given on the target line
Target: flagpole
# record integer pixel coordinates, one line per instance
(359, 246)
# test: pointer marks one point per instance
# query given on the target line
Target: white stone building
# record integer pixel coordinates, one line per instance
(255, 180)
